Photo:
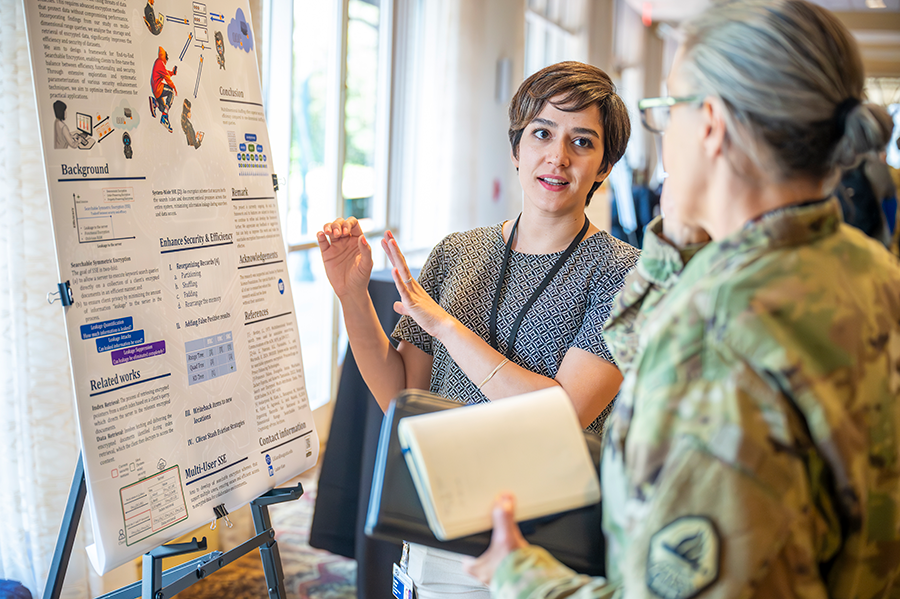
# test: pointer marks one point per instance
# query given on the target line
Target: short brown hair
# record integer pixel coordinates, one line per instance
(578, 86)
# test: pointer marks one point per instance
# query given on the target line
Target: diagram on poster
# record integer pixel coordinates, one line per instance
(107, 219)
(182, 335)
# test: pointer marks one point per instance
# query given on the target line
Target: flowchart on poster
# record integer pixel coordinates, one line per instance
(182, 332)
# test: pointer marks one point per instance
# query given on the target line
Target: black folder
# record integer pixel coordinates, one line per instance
(395, 513)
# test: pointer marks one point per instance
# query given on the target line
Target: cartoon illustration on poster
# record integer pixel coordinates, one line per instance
(184, 346)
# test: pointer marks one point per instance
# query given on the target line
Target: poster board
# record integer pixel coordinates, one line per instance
(182, 334)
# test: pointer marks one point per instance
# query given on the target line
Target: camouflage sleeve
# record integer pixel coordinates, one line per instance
(712, 528)
(718, 504)
(658, 269)
(532, 573)
(716, 520)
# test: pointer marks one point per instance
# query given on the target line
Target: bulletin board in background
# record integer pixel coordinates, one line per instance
(182, 332)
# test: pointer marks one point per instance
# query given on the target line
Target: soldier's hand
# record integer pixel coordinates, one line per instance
(505, 539)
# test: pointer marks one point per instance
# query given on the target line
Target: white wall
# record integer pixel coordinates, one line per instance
(454, 143)
(492, 31)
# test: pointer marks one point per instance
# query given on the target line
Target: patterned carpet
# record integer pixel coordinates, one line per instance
(308, 573)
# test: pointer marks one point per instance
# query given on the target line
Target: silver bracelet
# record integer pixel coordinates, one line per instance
(493, 372)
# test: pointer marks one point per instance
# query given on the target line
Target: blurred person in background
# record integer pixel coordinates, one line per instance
(754, 450)
(868, 196)
(895, 178)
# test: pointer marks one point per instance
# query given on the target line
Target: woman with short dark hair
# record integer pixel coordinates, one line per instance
(574, 86)
(511, 308)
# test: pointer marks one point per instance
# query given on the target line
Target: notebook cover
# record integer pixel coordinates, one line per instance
(395, 513)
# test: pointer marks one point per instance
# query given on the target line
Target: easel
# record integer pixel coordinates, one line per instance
(159, 584)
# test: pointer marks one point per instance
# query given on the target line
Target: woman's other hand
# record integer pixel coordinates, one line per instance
(414, 300)
(505, 539)
(347, 256)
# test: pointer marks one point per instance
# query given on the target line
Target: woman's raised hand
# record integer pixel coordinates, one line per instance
(347, 256)
(414, 300)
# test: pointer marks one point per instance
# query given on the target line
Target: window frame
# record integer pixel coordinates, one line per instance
(549, 21)
(275, 14)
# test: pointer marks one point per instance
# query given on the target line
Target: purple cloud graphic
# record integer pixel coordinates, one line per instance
(240, 35)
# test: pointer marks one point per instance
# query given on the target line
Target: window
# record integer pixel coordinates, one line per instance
(554, 32)
(325, 87)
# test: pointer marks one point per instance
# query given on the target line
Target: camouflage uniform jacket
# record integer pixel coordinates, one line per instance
(754, 448)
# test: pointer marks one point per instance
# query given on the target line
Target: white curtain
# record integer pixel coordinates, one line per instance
(451, 151)
(38, 435)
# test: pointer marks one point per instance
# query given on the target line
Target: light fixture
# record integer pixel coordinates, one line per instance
(875, 4)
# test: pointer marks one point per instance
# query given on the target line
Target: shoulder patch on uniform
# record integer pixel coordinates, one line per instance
(683, 559)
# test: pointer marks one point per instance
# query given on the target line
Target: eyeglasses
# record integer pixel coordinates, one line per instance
(655, 112)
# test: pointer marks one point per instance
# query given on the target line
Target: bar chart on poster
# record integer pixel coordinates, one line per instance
(182, 332)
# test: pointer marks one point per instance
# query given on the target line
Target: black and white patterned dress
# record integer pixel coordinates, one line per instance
(461, 275)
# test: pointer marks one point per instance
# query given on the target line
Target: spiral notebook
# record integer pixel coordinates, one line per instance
(395, 512)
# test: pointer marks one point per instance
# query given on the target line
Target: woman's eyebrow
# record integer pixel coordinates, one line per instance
(553, 125)
(585, 131)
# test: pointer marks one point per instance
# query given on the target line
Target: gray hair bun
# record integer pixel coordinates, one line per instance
(867, 128)
(790, 74)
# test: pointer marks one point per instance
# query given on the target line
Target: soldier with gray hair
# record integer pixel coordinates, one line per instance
(755, 447)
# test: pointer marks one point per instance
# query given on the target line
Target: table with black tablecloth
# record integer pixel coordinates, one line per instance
(346, 475)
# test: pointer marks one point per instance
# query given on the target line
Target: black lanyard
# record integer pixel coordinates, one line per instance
(549, 277)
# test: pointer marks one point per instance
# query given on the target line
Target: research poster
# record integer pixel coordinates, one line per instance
(182, 332)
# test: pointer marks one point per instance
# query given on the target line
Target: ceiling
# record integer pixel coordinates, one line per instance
(876, 30)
